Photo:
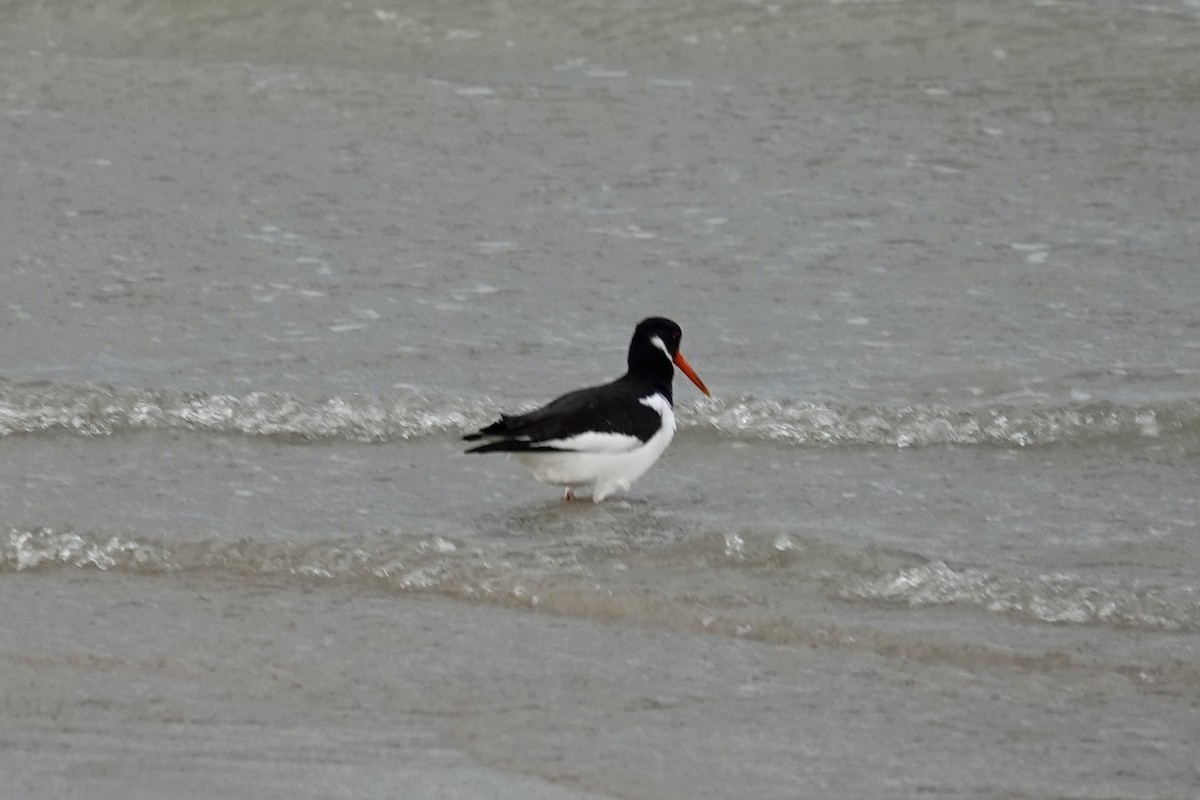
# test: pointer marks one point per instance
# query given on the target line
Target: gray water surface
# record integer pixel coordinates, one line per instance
(936, 531)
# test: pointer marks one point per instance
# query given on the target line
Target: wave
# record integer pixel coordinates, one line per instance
(1004, 425)
(1056, 598)
(496, 572)
(91, 409)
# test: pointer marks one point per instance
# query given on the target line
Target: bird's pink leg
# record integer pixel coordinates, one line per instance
(568, 495)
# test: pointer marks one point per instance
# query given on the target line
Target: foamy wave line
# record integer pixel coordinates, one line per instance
(447, 566)
(389, 562)
(405, 562)
(923, 425)
(98, 409)
(1054, 598)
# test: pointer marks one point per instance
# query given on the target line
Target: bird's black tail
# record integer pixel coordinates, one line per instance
(497, 428)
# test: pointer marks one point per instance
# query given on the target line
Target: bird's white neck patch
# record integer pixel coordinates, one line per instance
(659, 404)
(657, 342)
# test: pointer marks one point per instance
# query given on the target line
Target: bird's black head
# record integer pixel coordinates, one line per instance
(654, 353)
(664, 330)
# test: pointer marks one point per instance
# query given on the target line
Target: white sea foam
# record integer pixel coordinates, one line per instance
(1055, 598)
(437, 563)
(100, 409)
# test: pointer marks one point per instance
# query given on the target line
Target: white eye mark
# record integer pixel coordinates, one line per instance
(657, 342)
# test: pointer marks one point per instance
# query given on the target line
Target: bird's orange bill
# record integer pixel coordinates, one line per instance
(681, 362)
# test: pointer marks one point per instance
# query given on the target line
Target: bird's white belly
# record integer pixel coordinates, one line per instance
(605, 472)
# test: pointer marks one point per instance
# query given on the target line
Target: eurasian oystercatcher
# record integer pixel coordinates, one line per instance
(603, 436)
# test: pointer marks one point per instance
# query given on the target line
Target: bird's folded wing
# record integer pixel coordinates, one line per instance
(595, 420)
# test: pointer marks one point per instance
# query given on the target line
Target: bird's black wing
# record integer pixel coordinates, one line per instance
(609, 409)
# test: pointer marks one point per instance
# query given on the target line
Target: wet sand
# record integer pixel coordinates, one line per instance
(189, 689)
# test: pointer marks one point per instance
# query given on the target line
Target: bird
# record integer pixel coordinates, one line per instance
(603, 437)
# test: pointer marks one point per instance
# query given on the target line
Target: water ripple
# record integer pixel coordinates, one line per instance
(100, 409)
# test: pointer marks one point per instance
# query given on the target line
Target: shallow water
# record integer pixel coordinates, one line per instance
(937, 262)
